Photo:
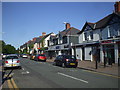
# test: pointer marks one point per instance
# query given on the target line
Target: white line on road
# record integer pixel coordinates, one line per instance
(72, 77)
(23, 69)
(25, 72)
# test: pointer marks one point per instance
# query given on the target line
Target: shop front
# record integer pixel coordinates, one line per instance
(118, 43)
(109, 52)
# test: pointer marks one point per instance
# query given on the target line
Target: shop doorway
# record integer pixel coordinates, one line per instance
(109, 54)
(83, 53)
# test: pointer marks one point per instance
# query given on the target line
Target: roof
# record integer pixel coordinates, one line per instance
(101, 23)
(39, 39)
(70, 31)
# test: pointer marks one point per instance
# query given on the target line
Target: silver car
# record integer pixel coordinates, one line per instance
(12, 61)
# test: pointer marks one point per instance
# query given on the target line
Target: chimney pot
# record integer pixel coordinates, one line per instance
(43, 33)
(67, 25)
(117, 7)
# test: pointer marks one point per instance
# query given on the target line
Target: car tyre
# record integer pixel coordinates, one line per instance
(5, 68)
(19, 67)
(55, 63)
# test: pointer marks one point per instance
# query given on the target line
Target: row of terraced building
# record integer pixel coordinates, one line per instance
(96, 41)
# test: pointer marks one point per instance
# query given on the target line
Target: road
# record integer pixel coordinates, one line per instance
(45, 75)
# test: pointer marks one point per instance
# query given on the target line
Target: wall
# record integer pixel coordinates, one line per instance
(79, 53)
(96, 35)
(87, 53)
(105, 33)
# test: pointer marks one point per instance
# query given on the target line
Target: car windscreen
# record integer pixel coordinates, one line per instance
(12, 57)
(70, 57)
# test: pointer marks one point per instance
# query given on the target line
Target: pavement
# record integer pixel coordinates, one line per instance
(88, 65)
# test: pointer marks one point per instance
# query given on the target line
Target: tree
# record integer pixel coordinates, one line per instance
(2, 44)
(8, 49)
(25, 51)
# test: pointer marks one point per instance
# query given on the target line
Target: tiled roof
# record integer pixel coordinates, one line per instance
(70, 31)
(39, 39)
(101, 23)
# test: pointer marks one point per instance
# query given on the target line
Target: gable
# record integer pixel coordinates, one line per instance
(87, 28)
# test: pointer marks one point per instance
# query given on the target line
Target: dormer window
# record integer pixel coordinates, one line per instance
(119, 32)
(85, 34)
(91, 35)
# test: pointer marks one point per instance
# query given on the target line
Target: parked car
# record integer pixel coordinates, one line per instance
(4, 56)
(11, 61)
(66, 61)
(24, 56)
(40, 57)
(32, 56)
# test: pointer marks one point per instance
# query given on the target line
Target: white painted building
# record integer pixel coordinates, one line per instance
(100, 40)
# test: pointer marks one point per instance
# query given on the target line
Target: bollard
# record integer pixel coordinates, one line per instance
(96, 64)
(104, 61)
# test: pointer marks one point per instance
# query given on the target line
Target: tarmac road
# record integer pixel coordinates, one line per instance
(45, 75)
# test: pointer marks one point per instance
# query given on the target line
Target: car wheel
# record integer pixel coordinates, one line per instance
(55, 63)
(5, 68)
(19, 67)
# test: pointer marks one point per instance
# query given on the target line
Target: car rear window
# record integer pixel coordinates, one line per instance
(41, 55)
(12, 57)
(70, 57)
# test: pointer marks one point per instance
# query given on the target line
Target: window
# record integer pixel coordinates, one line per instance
(119, 32)
(85, 34)
(48, 42)
(64, 39)
(91, 34)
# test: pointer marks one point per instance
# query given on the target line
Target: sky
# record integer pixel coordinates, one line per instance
(22, 21)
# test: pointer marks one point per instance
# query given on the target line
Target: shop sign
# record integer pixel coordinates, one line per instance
(107, 42)
(57, 47)
(118, 42)
(66, 46)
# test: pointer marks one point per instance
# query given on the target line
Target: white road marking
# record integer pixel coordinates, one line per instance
(12, 74)
(72, 77)
(23, 69)
(25, 72)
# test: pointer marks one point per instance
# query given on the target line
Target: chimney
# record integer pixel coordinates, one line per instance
(67, 25)
(117, 7)
(34, 39)
(43, 33)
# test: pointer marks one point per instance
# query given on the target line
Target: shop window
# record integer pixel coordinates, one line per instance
(119, 50)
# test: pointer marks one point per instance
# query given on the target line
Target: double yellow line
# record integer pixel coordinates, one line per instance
(11, 84)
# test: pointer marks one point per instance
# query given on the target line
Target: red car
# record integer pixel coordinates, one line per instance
(40, 57)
